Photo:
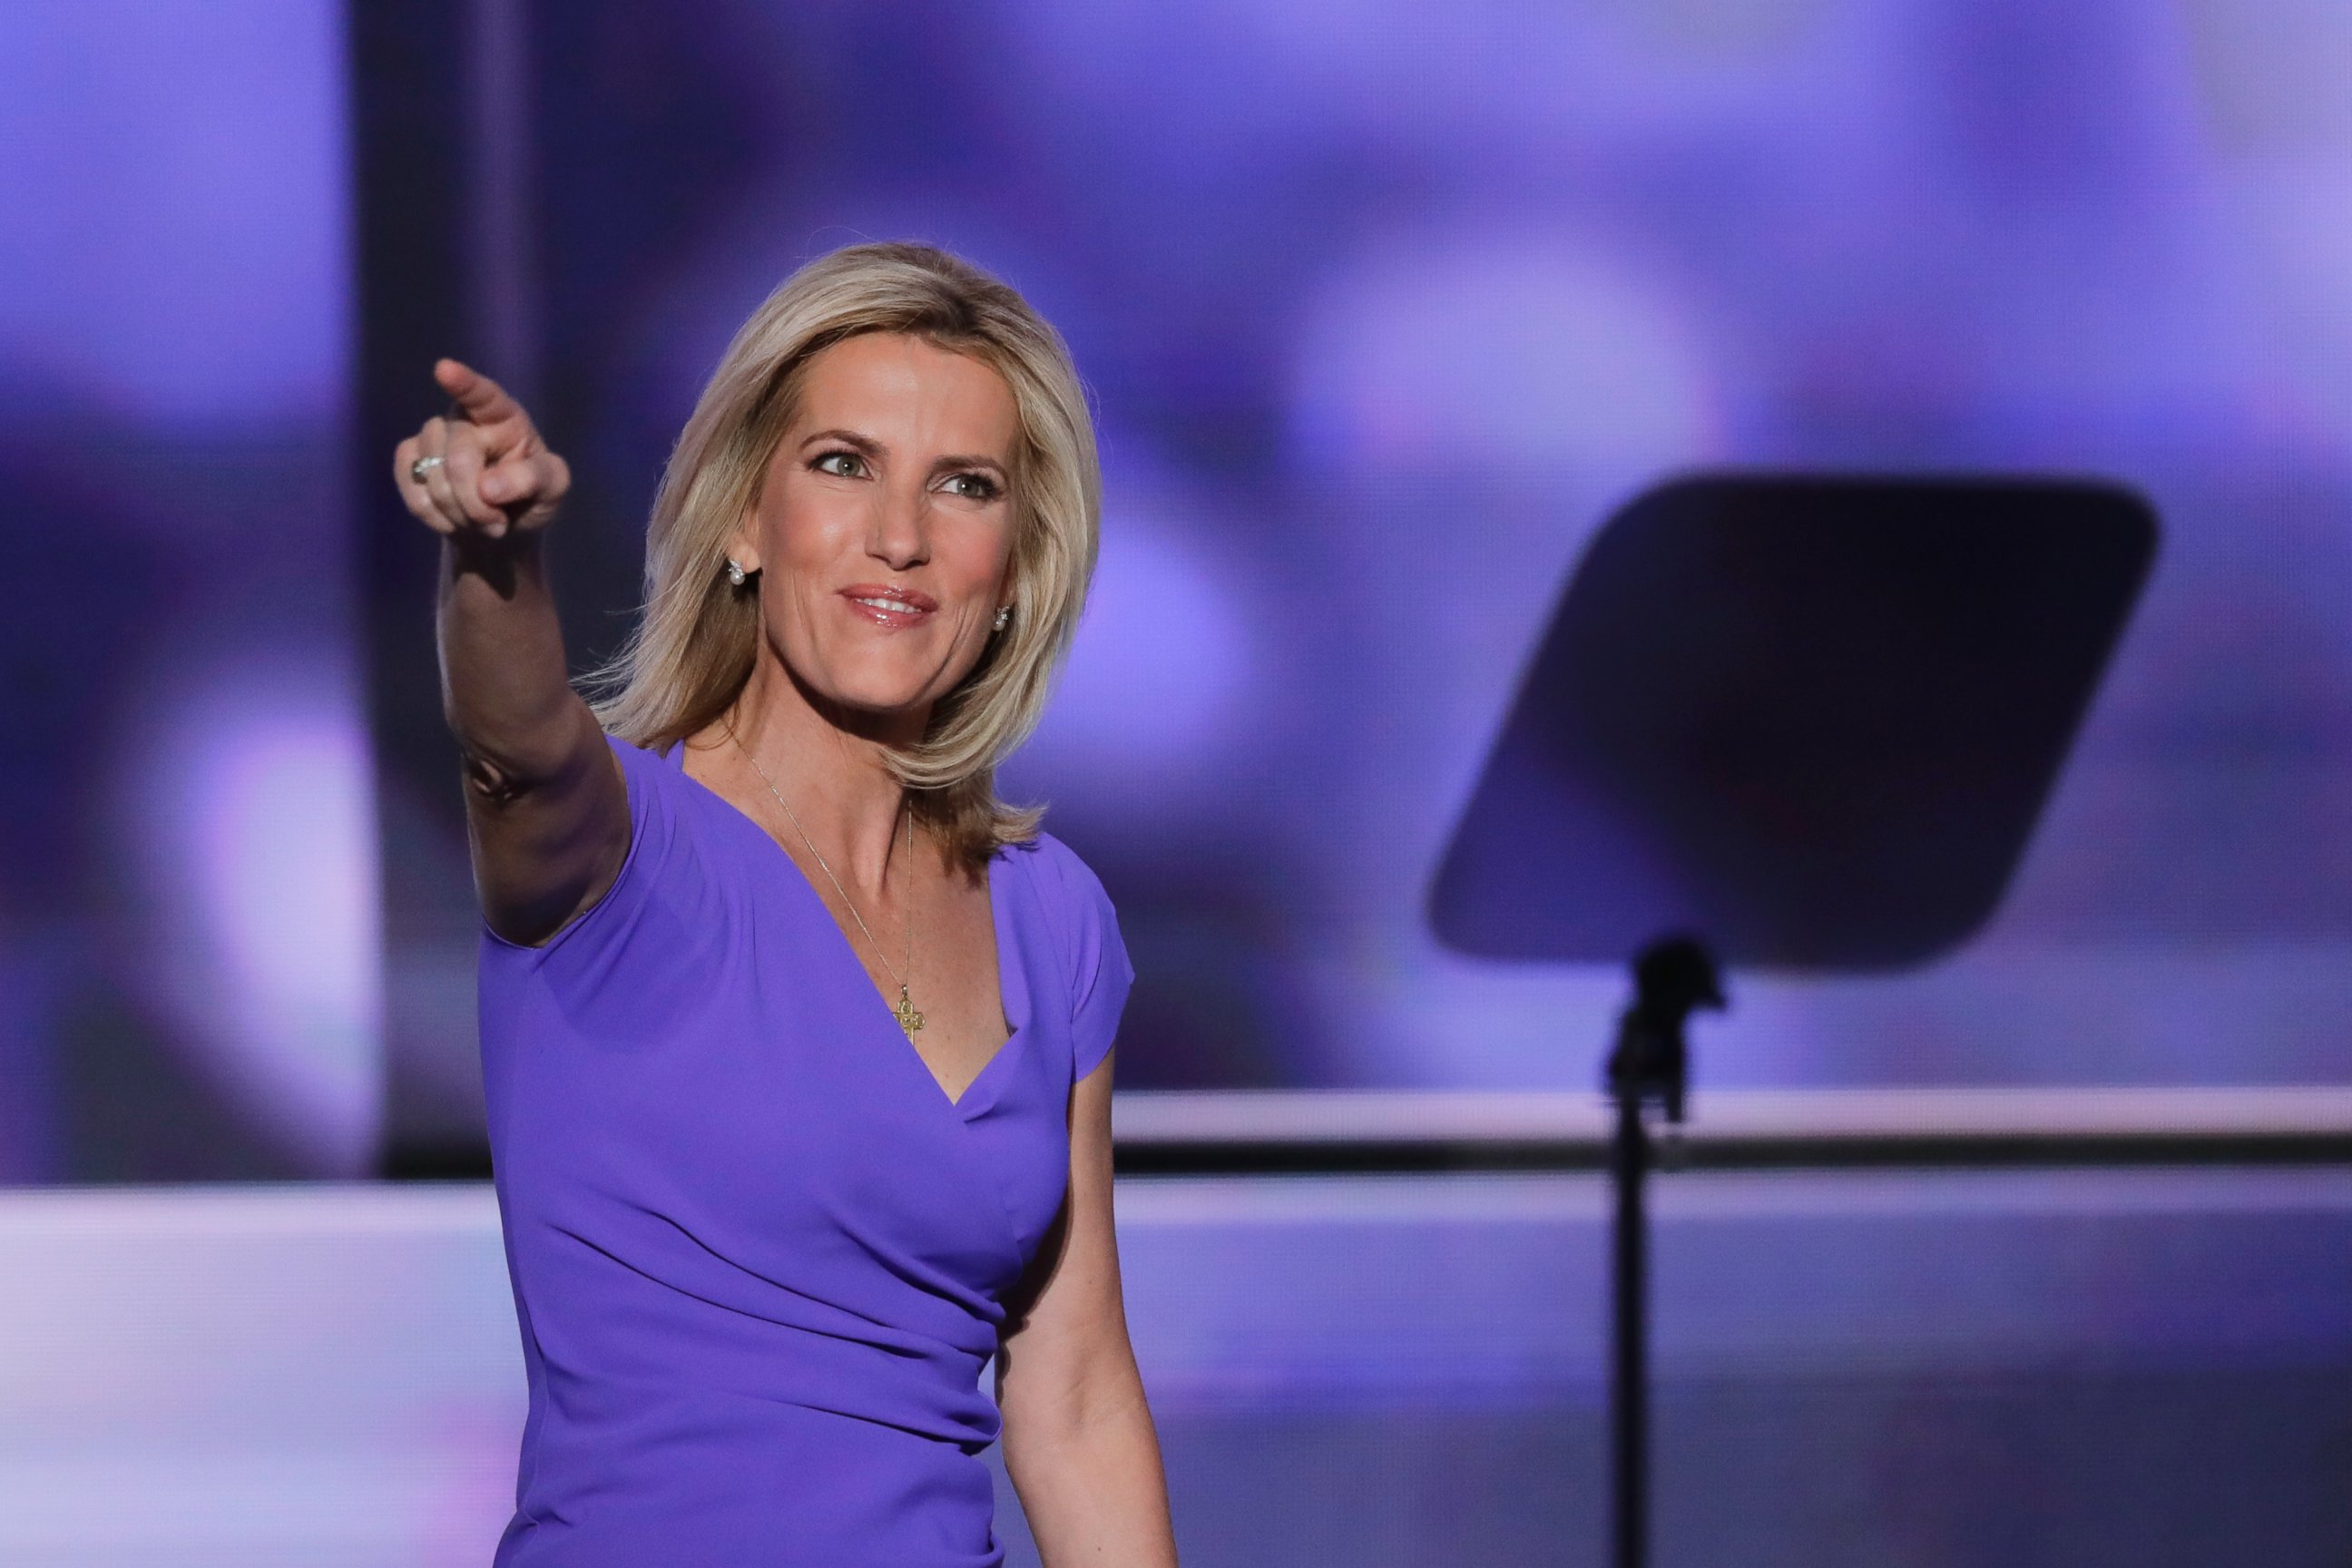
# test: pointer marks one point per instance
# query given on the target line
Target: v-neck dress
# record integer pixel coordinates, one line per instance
(758, 1254)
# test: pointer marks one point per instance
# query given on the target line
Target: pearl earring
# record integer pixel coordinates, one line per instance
(734, 572)
(1003, 614)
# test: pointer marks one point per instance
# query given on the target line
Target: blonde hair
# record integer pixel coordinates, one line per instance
(697, 638)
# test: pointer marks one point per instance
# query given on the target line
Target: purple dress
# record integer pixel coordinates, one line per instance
(758, 1255)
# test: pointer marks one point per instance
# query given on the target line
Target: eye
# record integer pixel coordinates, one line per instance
(974, 487)
(841, 463)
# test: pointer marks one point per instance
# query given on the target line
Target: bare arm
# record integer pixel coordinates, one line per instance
(1078, 1440)
(547, 812)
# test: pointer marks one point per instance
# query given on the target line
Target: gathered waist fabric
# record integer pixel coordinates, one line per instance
(685, 1478)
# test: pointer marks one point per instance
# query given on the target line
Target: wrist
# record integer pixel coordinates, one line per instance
(501, 563)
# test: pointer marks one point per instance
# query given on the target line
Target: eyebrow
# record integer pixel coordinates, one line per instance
(866, 444)
(973, 462)
(873, 448)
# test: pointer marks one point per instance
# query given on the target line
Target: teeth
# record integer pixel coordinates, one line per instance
(899, 605)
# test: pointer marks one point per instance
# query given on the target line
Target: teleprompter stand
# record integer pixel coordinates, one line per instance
(1650, 1061)
(1810, 721)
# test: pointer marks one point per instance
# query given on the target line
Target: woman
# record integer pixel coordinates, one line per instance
(796, 1041)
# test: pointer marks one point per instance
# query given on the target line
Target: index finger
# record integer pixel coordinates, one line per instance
(482, 400)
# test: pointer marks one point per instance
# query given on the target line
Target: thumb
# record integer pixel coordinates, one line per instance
(540, 480)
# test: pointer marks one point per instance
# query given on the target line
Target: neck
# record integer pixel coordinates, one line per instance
(827, 763)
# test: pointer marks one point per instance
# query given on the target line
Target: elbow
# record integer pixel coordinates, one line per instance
(1077, 1410)
(500, 771)
(488, 781)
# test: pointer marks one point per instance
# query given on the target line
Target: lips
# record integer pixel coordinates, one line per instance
(886, 605)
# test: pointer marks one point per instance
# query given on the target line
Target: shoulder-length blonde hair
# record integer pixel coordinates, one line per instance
(698, 638)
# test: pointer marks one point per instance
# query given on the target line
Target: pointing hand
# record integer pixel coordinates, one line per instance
(484, 469)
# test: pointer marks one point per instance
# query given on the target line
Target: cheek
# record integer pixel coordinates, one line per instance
(806, 530)
(990, 556)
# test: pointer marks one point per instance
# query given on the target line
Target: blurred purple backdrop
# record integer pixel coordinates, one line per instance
(189, 970)
(1385, 311)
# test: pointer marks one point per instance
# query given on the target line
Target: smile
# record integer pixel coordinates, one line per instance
(883, 605)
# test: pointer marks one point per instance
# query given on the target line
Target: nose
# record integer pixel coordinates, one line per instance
(898, 529)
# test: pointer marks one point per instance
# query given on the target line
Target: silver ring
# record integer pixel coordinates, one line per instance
(421, 466)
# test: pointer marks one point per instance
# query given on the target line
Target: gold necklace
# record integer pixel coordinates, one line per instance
(909, 1019)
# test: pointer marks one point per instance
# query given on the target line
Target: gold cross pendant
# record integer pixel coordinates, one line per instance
(909, 1019)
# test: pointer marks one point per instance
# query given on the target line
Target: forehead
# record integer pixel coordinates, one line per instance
(902, 390)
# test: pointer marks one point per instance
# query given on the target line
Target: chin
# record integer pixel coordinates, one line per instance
(876, 692)
(869, 682)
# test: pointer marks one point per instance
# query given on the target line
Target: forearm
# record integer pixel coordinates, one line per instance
(1094, 1489)
(505, 686)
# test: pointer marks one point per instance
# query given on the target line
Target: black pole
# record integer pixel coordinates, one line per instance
(1629, 1392)
(1650, 1061)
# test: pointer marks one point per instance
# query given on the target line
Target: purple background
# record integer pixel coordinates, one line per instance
(1384, 311)
(189, 970)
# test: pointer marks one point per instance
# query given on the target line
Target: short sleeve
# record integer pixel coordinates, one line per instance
(1100, 973)
(605, 926)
